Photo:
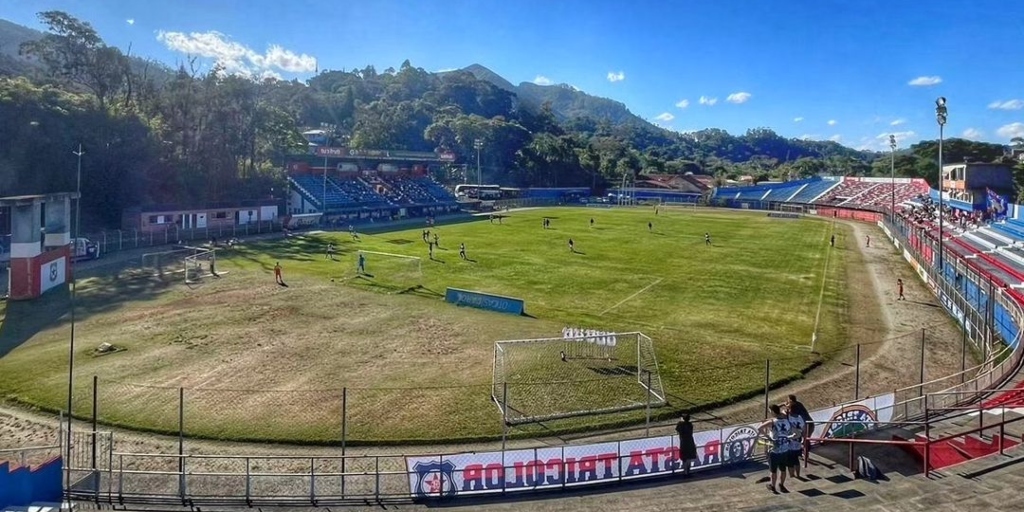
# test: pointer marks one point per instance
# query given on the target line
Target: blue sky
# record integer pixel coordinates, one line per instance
(824, 69)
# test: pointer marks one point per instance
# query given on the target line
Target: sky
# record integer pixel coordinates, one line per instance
(849, 71)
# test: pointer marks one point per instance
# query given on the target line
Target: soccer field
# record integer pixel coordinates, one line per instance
(261, 361)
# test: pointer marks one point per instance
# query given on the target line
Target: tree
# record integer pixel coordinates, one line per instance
(73, 53)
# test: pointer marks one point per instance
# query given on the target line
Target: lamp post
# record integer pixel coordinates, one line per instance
(940, 117)
(71, 348)
(892, 172)
(478, 144)
(328, 131)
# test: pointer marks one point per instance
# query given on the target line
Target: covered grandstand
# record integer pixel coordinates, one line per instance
(351, 185)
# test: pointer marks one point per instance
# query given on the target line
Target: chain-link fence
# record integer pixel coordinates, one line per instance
(123, 240)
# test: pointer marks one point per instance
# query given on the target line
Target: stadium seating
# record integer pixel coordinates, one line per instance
(354, 193)
(783, 192)
(845, 192)
(359, 192)
(812, 190)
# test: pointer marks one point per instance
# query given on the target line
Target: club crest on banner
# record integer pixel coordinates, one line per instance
(435, 479)
(850, 420)
(739, 446)
(54, 271)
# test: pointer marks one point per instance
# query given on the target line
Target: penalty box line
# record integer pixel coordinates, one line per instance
(627, 299)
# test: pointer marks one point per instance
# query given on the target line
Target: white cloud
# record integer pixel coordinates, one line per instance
(271, 74)
(1007, 105)
(836, 138)
(883, 138)
(446, 70)
(797, 119)
(665, 117)
(235, 57)
(683, 103)
(808, 136)
(973, 134)
(898, 122)
(881, 141)
(130, 21)
(704, 100)
(832, 122)
(925, 81)
(1011, 130)
(738, 97)
(616, 77)
(542, 80)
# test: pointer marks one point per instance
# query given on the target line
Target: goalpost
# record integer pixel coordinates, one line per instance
(556, 378)
(392, 272)
(201, 262)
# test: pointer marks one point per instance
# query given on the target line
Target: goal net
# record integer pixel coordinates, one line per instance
(160, 264)
(393, 273)
(583, 374)
(199, 264)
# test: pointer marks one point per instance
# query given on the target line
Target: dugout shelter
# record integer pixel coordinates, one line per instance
(40, 243)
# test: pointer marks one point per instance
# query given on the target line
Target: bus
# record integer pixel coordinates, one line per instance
(483, 192)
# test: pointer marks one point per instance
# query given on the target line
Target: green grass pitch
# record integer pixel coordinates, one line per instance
(715, 314)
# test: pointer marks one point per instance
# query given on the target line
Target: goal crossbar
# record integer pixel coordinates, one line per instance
(403, 256)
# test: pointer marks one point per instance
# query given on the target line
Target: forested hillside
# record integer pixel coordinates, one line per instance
(156, 135)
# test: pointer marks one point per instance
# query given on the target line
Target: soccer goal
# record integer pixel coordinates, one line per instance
(394, 273)
(556, 378)
(200, 263)
(160, 264)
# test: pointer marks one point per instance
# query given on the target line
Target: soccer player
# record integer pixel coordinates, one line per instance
(650, 227)
(330, 251)
(462, 250)
(436, 242)
(572, 247)
(899, 286)
(562, 355)
(361, 265)
(491, 218)
(277, 273)
(430, 249)
(832, 242)
(707, 238)
(352, 231)
(869, 240)
(591, 223)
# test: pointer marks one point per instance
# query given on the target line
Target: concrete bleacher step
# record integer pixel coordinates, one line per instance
(995, 235)
(1016, 256)
(979, 241)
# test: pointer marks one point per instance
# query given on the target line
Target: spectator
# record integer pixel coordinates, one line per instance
(687, 447)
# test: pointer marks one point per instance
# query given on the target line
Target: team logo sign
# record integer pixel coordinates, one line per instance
(54, 271)
(850, 420)
(435, 479)
(739, 446)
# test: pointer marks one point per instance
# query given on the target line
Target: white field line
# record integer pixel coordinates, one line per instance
(644, 289)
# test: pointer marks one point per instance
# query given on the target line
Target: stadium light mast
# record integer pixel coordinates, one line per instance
(328, 131)
(940, 117)
(892, 170)
(71, 345)
(478, 144)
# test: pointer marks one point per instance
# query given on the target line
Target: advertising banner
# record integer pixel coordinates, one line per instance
(568, 466)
